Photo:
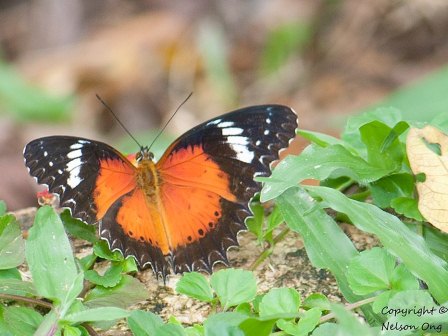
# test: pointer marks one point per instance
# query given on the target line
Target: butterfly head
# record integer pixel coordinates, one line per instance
(144, 155)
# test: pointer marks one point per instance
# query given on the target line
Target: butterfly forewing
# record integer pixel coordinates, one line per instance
(71, 168)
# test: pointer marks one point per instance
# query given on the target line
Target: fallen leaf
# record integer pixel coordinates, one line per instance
(427, 152)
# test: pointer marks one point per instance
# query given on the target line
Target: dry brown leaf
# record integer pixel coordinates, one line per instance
(433, 192)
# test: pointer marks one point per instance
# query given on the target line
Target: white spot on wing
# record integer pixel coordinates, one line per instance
(242, 152)
(50, 163)
(45, 153)
(74, 154)
(268, 121)
(226, 124)
(77, 145)
(258, 143)
(74, 180)
(266, 132)
(232, 131)
(73, 164)
(240, 140)
(214, 122)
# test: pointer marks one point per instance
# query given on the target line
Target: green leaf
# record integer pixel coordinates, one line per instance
(17, 287)
(370, 271)
(319, 163)
(234, 286)
(408, 207)
(224, 324)
(280, 303)
(255, 224)
(12, 251)
(11, 273)
(144, 323)
(97, 314)
(389, 116)
(349, 323)
(196, 330)
(306, 324)
(22, 320)
(49, 325)
(395, 236)
(388, 188)
(87, 262)
(274, 220)
(328, 329)
(38, 105)
(73, 292)
(402, 279)
(78, 228)
(436, 240)
(128, 292)
(253, 326)
(195, 285)
(111, 277)
(71, 331)
(374, 135)
(50, 256)
(101, 249)
(326, 244)
(317, 300)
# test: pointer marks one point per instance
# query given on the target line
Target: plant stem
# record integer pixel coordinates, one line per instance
(36, 302)
(350, 306)
(267, 252)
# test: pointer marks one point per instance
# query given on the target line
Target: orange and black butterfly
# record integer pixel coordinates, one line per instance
(182, 212)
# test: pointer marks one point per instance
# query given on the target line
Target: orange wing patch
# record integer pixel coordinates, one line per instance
(115, 179)
(141, 221)
(191, 186)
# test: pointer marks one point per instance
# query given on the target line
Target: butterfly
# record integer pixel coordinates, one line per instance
(184, 211)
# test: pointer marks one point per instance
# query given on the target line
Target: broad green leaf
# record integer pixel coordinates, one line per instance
(326, 244)
(317, 300)
(306, 324)
(279, 302)
(402, 279)
(78, 228)
(408, 207)
(388, 188)
(22, 320)
(349, 323)
(374, 135)
(50, 256)
(195, 285)
(224, 324)
(436, 240)
(144, 323)
(110, 278)
(274, 220)
(328, 329)
(244, 308)
(17, 287)
(395, 236)
(11, 273)
(128, 292)
(389, 116)
(196, 330)
(97, 314)
(370, 271)
(234, 286)
(253, 326)
(73, 292)
(319, 163)
(12, 251)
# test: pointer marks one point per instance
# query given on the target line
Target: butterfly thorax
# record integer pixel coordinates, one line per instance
(146, 173)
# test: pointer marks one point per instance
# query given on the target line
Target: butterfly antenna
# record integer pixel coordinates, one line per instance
(166, 124)
(118, 120)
